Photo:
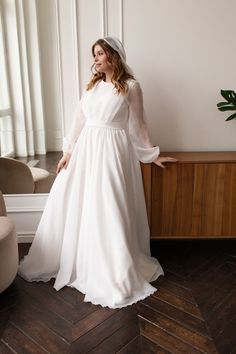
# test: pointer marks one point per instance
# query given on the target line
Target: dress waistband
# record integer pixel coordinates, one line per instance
(110, 125)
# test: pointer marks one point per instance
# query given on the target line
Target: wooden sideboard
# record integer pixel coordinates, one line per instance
(194, 197)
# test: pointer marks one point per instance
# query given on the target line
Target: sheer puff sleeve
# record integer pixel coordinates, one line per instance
(77, 124)
(138, 131)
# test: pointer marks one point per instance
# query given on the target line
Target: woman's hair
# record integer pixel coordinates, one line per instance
(120, 73)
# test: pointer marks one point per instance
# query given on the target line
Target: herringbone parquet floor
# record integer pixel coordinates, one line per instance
(194, 310)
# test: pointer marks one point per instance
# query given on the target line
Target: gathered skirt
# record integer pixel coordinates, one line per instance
(94, 233)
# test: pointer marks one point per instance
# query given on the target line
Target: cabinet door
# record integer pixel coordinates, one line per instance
(193, 200)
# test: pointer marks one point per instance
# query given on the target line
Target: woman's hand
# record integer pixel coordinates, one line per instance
(160, 160)
(63, 162)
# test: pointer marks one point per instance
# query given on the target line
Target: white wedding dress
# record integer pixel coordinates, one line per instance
(94, 233)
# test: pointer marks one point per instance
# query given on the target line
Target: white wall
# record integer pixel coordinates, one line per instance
(182, 51)
(184, 54)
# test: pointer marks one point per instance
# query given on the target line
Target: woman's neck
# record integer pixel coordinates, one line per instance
(108, 76)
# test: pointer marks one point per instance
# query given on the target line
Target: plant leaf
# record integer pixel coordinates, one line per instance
(233, 116)
(229, 95)
(233, 95)
(221, 104)
(227, 108)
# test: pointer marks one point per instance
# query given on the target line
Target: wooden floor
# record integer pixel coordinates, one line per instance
(194, 310)
(48, 161)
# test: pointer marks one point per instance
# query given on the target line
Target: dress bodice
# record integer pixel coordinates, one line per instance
(103, 105)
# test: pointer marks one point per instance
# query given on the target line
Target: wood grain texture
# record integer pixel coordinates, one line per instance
(192, 198)
(203, 156)
(192, 311)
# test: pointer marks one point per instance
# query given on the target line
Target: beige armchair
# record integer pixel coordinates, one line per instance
(8, 248)
(18, 178)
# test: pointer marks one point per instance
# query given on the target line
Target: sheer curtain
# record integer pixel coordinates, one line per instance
(6, 128)
(22, 128)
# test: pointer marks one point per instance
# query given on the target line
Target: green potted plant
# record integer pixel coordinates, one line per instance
(229, 104)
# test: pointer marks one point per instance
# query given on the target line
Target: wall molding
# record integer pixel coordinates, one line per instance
(59, 66)
(25, 237)
(121, 24)
(104, 18)
(25, 210)
(77, 85)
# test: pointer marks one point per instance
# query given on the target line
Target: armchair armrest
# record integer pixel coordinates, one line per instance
(3, 211)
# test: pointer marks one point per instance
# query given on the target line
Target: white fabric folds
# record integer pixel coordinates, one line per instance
(117, 45)
(94, 233)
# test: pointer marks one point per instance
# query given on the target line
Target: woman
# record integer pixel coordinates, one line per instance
(94, 234)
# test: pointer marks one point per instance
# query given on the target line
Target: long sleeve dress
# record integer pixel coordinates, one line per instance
(94, 233)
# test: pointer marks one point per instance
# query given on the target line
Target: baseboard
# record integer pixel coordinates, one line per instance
(25, 238)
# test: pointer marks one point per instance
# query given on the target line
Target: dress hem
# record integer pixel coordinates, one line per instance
(135, 301)
(129, 303)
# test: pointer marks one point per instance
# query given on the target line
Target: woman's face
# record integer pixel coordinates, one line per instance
(101, 60)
